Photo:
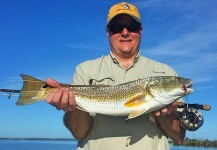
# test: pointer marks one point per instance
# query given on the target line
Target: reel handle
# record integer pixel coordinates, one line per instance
(207, 107)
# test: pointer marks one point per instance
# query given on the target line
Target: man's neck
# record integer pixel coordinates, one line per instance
(126, 60)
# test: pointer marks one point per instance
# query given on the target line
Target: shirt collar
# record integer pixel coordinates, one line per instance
(114, 59)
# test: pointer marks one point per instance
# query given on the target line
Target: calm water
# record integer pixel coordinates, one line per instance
(37, 145)
(59, 145)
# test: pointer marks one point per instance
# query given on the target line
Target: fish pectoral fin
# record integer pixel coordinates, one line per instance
(81, 108)
(135, 101)
(136, 113)
(151, 117)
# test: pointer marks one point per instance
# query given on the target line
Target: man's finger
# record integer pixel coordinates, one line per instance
(164, 110)
(57, 98)
(72, 101)
(50, 96)
(157, 113)
(52, 83)
(65, 100)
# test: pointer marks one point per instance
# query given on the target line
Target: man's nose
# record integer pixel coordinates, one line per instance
(125, 32)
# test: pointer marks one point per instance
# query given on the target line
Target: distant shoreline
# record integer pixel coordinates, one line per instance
(197, 143)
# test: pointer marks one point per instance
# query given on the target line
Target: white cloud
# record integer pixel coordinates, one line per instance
(188, 44)
(193, 53)
(200, 88)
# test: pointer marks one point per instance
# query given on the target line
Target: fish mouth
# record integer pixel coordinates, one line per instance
(187, 87)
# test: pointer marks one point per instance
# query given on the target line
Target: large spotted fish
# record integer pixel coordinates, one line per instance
(131, 99)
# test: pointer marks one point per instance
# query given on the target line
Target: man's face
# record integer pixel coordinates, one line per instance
(125, 42)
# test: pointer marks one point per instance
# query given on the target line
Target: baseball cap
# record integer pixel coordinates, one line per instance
(123, 8)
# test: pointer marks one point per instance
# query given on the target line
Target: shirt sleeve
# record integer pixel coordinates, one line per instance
(82, 74)
(78, 78)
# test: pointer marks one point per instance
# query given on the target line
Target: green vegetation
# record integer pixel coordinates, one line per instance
(199, 143)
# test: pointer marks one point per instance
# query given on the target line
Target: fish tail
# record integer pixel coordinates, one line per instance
(33, 90)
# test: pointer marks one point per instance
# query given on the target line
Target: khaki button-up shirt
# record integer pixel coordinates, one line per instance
(114, 133)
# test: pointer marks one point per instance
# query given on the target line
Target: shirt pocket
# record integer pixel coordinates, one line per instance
(158, 71)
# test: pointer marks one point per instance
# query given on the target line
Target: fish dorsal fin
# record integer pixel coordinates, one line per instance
(136, 113)
(135, 101)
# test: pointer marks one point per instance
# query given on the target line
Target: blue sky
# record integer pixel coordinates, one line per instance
(47, 38)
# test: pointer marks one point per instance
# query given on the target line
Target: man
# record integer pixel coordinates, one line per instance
(123, 64)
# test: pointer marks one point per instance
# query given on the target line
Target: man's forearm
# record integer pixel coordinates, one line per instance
(78, 122)
(170, 125)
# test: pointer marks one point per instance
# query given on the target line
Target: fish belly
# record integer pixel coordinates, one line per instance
(111, 108)
(116, 108)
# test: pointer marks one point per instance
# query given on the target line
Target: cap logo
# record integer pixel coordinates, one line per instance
(123, 8)
(126, 6)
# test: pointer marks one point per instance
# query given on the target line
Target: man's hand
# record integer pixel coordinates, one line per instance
(62, 98)
(168, 121)
(167, 110)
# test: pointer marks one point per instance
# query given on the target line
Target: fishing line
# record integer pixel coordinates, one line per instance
(187, 101)
(7, 94)
(185, 89)
(15, 80)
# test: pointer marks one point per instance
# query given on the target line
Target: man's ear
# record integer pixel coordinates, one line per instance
(107, 32)
(141, 30)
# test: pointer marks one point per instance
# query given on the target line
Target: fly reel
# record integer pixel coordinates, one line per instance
(191, 119)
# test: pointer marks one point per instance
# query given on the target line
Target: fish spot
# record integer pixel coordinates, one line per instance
(45, 86)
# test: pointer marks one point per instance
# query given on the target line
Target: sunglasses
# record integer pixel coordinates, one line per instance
(118, 28)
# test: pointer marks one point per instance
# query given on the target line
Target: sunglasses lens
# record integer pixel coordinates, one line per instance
(133, 27)
(117, 28)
